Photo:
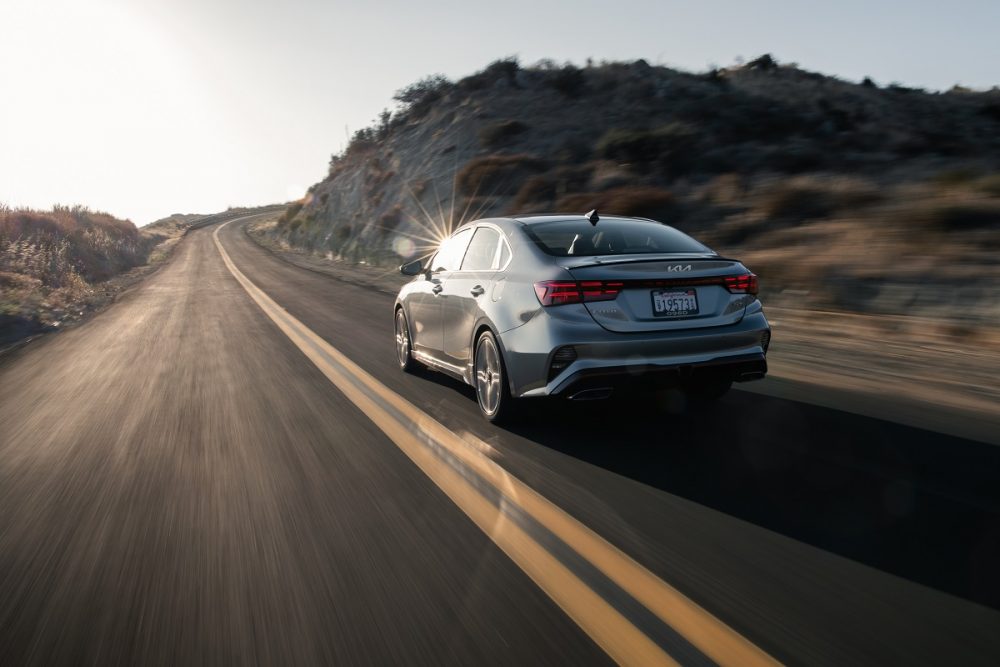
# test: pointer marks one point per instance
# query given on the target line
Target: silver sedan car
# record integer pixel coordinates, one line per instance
(580, 306)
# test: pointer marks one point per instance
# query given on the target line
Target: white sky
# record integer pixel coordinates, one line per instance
(148, 107)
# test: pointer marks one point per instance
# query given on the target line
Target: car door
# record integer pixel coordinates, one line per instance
(422, 310)
(463, 293)
(429, 331)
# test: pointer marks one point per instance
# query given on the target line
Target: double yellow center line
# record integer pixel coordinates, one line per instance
(630, 613)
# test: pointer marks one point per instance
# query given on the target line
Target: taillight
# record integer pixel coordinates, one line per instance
(557, 293)
(560, 292)
(744, 284)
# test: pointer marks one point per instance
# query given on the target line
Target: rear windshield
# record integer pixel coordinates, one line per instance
(570, 238)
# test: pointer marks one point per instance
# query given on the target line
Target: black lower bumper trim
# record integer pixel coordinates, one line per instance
(738, 369)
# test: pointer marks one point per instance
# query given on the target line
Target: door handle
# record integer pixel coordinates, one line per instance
(477, 290)
(437, 289)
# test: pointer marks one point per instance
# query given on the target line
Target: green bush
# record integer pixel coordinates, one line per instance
(415, 100)
(505, 69)
(764, 63)
(570, 81)
(289, 213)
(671, 147)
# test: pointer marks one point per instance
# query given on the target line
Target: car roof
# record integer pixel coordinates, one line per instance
(537, 218)
(564, 217)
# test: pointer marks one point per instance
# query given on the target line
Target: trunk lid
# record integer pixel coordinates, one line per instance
(662, 293)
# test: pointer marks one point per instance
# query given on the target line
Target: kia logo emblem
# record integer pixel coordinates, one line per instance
(679, 267)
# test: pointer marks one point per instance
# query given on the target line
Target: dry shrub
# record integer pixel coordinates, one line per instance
(725, 189)
(500, 133)
(497, 174)
(540, 191)
(814, 197)
(642, 201)
(956, 177)
(537, 190)
(415, 100)
(55, 246)
(376, 179)
(289, 213)
(672, 149)
(952, 215)
(390, 219)
(764, 63)
(49, 258)
(569, 80)
(505, 69)
(989, 185)
(795, 202)
(645, 146)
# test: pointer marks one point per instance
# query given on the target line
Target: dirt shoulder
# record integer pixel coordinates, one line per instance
(29, 309)
(70, 307)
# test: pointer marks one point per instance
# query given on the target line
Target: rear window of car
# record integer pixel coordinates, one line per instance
(482, 251)
(570, 238)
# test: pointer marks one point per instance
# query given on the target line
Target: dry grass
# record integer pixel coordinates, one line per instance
(502, 133)
(497, 174)
(55, 246)
(51, 261)
(541, 191)
(646, 147)
(642, 201)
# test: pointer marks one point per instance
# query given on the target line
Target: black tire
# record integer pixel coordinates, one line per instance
(404, 345)
(490, 381)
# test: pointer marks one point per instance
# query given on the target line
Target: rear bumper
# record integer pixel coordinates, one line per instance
(607, 359)
(595, 381)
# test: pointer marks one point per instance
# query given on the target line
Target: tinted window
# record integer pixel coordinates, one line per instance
(610, 236)
(504, 254)
(449, 257)
(482, 250)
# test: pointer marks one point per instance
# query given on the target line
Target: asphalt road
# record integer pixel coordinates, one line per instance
(181, 484)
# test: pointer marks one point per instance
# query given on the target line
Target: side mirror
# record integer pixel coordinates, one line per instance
(413, 268)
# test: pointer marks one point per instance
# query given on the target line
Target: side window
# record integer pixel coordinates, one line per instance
(482, 250)
(449, 257)
(504, 254)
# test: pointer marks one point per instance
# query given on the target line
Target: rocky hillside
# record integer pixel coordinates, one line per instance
(841, 195)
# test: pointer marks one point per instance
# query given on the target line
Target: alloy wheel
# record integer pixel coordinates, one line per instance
(402, 340)
(489, 375)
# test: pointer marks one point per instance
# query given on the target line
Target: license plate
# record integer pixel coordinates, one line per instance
(674, 303)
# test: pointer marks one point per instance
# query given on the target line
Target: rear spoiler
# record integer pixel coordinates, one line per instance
(595, 260)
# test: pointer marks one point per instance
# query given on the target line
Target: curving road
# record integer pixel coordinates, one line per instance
(226, 467)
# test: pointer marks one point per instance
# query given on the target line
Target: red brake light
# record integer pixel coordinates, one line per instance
(560, 292)
(600, 290)
(557, 293)
(744, 284)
